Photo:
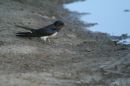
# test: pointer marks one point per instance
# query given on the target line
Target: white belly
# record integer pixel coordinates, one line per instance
(46, 37)
(54, 34)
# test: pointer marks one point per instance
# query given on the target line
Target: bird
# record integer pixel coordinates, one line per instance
(44, 33)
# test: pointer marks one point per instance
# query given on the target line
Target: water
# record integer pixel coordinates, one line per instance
(112, 16)
(125, 41)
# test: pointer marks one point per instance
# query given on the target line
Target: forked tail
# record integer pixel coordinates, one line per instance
(24, 34)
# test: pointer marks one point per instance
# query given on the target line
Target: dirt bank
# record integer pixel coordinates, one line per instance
(75, 57)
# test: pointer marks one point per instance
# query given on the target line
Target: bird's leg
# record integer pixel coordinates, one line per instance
(49, 41)
(44, 38)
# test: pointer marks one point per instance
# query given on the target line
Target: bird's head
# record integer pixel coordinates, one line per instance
(58, 24)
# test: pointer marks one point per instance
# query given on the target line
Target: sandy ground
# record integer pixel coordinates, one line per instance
(73, 58)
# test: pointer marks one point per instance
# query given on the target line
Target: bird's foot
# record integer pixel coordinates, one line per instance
(50, 42)
(46, 40)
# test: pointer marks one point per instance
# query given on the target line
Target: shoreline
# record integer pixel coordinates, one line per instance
(76, 57)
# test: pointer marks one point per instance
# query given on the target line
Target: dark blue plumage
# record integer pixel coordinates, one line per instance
(45, 31)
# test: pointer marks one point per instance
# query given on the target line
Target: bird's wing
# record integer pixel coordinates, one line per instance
(45, 31)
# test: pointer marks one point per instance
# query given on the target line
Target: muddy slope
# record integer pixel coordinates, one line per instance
(75, 57)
